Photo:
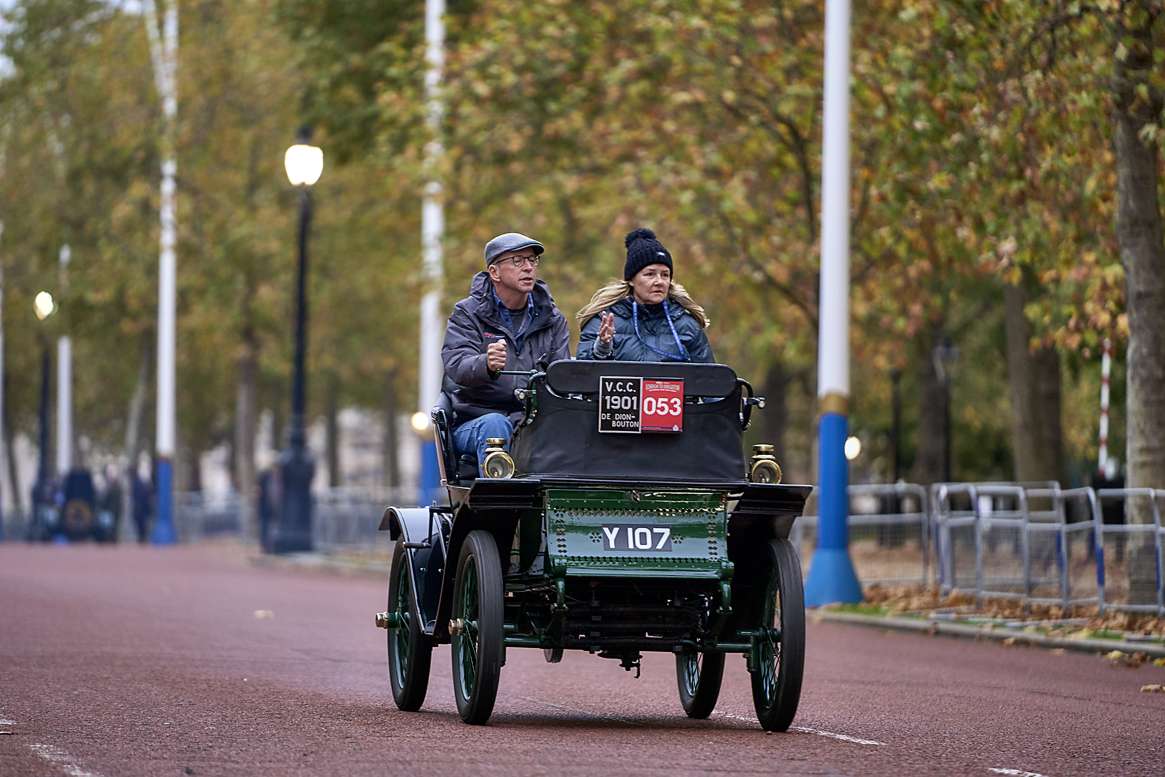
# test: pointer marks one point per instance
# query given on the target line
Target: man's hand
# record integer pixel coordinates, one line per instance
(495, 356)
(607, 327)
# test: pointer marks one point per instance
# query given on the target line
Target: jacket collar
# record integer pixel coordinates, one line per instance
(485, 306)
(622, 309)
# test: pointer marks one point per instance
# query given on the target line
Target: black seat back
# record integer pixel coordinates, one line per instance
(455, 469)
(443, 418)
(571, 376)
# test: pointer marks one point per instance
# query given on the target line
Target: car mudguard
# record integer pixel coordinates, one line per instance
(424, 532)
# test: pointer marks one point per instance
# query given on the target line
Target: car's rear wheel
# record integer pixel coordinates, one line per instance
(779, 659)
(477, 627)
(698, 676)
(409, 651)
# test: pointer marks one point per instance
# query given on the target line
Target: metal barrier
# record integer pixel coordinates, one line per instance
(341, 517)
(1032, 542)
(889, 532)
(350, 517)
(1137, 552)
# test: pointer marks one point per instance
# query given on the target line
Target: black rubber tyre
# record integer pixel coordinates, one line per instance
(552, 655)
(698, 676)
(477, 647)
(776, 682)
(410, 652)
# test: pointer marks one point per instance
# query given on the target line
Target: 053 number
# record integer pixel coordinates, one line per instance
(662, 405)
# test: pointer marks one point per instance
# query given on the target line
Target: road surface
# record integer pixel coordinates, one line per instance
(194, 661)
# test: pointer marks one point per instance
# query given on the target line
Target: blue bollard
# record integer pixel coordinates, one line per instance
(430, 486)
(832, 578)
(163, 532)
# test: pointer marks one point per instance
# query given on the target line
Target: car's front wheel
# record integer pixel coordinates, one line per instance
(779, 656)
(477, 628)
(410, 651)
(698, 676)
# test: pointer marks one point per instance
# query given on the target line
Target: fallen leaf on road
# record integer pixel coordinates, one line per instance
(1154, 688)
(1058, 651)
(1009, 641)
(1125, 659)
(1159, 662)
(264, 615)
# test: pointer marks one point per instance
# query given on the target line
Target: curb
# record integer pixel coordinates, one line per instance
(317, 562)
(931, 626)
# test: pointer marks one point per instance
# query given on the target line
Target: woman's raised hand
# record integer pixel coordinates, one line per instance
(607, 326)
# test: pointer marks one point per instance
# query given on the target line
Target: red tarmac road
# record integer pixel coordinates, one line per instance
(190, 660)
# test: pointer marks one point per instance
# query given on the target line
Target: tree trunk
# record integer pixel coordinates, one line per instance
(391, 441)
(332, 432)
(277, 418)
(931, 447)
(10, 455)
(133, 436)
(775, 416)
(246, 427)
(193, 469)
(1139, 235)
(1034, 384)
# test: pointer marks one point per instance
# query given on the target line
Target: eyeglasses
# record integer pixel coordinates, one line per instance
(521, 261)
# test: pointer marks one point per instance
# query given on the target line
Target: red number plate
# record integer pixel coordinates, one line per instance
(662, 406)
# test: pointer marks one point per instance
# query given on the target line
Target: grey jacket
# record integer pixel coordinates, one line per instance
(475, 323)
(654, 339)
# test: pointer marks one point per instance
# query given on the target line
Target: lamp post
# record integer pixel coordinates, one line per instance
(896, 424)
(432, 232)
(945, 355)
(831, 571)
(304, 164)
(43, 306)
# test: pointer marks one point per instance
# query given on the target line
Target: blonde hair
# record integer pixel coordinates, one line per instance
(614, 291)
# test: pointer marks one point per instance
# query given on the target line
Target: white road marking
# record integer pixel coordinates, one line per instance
(7, 722)
(814, 731)
(561, 708)
(59, 757)
(1015, 772)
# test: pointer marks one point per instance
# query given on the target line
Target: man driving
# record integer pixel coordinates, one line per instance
(508, 322)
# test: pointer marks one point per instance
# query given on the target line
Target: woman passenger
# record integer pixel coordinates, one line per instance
(645, 317)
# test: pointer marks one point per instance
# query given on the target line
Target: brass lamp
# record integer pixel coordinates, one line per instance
(497, 464)
(763, 467)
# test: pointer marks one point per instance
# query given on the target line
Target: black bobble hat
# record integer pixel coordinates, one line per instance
(643, 249)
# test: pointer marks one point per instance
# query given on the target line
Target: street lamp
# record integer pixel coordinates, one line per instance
(43, 306)
(304, 164)
(945, 356)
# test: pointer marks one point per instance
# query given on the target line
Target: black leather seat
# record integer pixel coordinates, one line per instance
(456, 468)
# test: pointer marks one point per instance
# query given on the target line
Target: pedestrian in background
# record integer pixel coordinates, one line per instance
(109, 505)
(142, 506)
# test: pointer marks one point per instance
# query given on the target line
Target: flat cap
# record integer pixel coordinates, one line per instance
(510, 241)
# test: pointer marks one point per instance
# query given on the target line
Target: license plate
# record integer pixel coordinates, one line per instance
(632, 405)
(624, 536)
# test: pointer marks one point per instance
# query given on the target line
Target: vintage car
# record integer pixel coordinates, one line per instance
(624, 519)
